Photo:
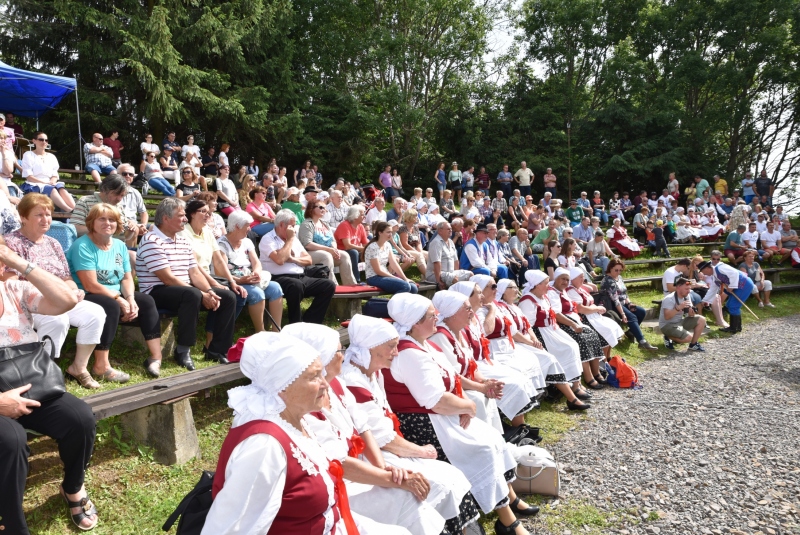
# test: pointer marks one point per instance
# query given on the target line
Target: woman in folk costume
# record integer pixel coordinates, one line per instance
(589, 342)
(272, 475)
(519, 392)
(389, 494)
(505, 339)
(537, 308)
(683, 230)
(711, 228)
(455, 313)
(618, 237)
(592, 314)
(373, 346)
(425, 392)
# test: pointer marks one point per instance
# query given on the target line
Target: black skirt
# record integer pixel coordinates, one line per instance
(588, 341)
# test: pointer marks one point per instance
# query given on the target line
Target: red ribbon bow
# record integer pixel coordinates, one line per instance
(357, 445)
(553, 320)
(486, 351)
(337, 473)
(507, 323)
(458, 390)
(395, 422)
(472, 367)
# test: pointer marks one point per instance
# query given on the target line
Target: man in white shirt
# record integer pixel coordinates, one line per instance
(678, 319)
(772, 241)
(524, 177)
(731, 281)
(750, 239)
(477, 258)
(284, 257)
(443, 258)
(761, 223)
(496, 257)
(375, 214)
(666, 198)
(681, 269)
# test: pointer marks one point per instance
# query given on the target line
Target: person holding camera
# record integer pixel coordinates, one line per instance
(679, 320)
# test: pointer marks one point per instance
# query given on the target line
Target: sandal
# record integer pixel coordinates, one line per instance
(88, 509)
(113, 376)
(152, 367)
(84, 379)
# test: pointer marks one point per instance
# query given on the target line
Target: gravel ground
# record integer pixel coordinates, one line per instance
(709, 445)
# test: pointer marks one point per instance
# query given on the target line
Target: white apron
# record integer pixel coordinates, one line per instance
(605, 327)
(556, 341)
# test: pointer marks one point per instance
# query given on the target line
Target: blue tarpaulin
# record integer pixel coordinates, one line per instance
(31, 94)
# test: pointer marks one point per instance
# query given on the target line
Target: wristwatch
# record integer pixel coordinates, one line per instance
(31, 267)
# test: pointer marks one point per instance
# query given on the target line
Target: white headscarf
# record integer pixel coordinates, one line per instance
(448, 303)
(502, 286)
(421, 205)
(272, 361)
(365, 333)
(406, 309)
(325, 339)
(560, 271)
(482, 280)
(464, 287)
(574, 273)
(534, 277)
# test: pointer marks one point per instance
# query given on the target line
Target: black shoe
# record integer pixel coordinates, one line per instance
(583, 396)
(729, 329)
(532, 510)
(500, 529)
(594, 385)
(600, 379)
(222, 359)
(184, 359)
(573, 406)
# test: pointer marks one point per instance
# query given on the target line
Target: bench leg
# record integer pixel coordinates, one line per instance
(344, 309)
(168, 429)
(132, 333)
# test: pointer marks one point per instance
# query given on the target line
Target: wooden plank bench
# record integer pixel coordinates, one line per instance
(346, 304)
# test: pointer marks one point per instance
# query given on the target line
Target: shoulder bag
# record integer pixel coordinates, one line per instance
(32, 363)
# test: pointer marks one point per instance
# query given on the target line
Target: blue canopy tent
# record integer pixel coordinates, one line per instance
(31, 94)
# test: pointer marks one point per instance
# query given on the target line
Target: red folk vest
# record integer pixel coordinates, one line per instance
(305, 497)
(479, 344)
(467, 365)
(363, 395)
(544, 318)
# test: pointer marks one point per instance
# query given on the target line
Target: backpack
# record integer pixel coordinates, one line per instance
(621, 374)
(194, 508)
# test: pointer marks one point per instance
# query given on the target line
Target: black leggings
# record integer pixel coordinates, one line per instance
(149, 321)
(70, 422)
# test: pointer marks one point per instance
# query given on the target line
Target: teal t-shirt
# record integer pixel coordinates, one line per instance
(733, 237)
(111, 266)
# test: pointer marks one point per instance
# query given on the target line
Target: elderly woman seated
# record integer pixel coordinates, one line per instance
(100, 266)
(351, 237)
(317, 237)
(63, 417)
(239, 252)
(272, 470)
(425, 392)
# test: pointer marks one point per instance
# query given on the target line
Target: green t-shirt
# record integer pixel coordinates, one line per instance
(733, 237)
(701, 187)
(110, 266)
(542, 237)
(574, 214)
(297, 208)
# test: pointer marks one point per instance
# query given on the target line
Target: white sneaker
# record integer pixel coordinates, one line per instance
(760, 305)
(770, 305)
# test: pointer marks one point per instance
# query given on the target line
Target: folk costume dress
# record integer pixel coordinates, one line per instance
(416, 381)
(337, 434)
(589, 342)
(618, 237)
(605, 327)
(711, 229)
(542, 317)
(519, 323)
(459, 353)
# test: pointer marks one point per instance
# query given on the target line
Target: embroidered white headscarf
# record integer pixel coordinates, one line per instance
(448, 303)
(482, 280)
(324, 339)
(365, 333)
(406, 309)
(272, 361)
(534, 277)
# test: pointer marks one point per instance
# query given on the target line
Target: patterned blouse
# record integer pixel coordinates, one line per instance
(47, 254)
(20, 301)
(616, 289)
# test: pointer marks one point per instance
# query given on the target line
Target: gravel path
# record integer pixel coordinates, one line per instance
(711, 444)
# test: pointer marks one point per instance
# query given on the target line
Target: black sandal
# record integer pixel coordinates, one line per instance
(88, 510)
(531, 510)
(501, 529)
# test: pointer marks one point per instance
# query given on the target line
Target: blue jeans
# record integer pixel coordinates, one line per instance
(502, 272)
(105, 170)
(254, 295)
(602, 215)
(262, 228)
(160, 184)
(552, 191)
(485, 191)
(388, 193)
(354, 262)
(531, 262)
(524, 191)
(601, 261)
(392, 285)
(748, 198)
(634, 319)
(506, 187)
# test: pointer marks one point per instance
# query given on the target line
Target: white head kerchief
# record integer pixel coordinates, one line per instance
(365, 333)
(559, 272)
(272, 361)
(421, 205)
(502, 286)
(574, 273)
(323, 338)
(464, 287)
(482, 280)
(534, 277)
(406, 309)
(448, 303)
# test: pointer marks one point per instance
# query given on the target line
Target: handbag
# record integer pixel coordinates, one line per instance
(32, 363)
(536, 471)
(194, 508)
(318, 271)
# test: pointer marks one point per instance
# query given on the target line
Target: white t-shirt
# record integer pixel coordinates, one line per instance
(381, 253)
(761, 227)
(149, 147)
(524, 176)
(39, 169)
(223, 158)
(270, 243)
(669, 278)
(750, 239)
(770, 239)
(229, 189)
(190, 148)
(374, 215)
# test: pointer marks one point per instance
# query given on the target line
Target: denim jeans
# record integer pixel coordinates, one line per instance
(502, 272)
(634, 319)
(353, 254)
(161, 185)
(602, 215)
(262, 228)
(392, 285)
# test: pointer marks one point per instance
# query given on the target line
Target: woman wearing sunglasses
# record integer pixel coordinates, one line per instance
(40, 171)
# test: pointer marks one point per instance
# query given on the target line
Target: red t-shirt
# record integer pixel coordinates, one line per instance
(357, 236)
(114, 145)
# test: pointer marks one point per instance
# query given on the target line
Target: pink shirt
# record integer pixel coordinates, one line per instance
(264, 211)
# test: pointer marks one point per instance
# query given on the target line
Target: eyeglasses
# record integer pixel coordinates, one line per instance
(204, 212)
(127, 174)
(187, 172)
(323, 208)
(41, 139)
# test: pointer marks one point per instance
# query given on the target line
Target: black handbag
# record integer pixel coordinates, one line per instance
(318, 271)
(194, 508)
(32, 363)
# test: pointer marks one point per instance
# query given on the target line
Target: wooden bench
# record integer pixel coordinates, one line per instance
(347, 303)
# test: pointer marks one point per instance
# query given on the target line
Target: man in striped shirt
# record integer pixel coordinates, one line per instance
(168, 271)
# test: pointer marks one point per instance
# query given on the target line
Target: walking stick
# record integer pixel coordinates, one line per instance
(742, 302)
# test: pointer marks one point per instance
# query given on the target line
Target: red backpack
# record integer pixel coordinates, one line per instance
(621, 374)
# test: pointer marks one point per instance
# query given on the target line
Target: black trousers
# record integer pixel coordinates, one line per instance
(297, 287)
(187, 301)
(66, 419)
(148, 317)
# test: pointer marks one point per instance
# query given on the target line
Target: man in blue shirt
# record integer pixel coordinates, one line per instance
(504, 178)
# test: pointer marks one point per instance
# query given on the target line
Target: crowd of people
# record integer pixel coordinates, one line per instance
(411, 415)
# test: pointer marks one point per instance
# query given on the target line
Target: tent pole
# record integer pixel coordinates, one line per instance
(80, 136)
